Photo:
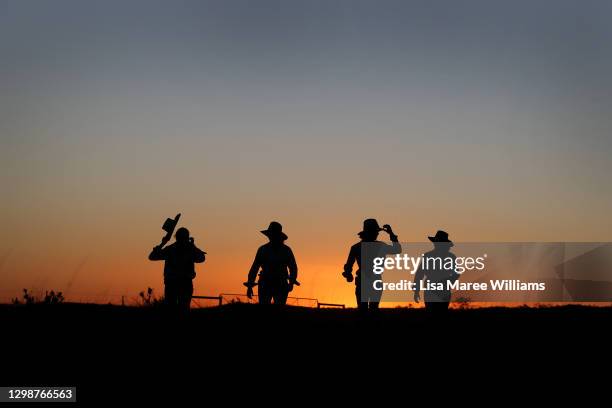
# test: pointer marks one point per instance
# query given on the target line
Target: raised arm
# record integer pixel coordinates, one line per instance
(395, 247)
(198, 255)
(157, 254)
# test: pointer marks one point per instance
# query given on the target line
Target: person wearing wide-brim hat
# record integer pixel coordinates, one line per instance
(179, 268)
(367, 297)
(435, 268)
(275, 231)
(276, 266)
(370, 228)
(441, 237)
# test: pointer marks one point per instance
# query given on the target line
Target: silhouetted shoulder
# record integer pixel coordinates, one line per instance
(430, 254)
(160, 254)
(271, 246)
(356, 246)
(435, 253)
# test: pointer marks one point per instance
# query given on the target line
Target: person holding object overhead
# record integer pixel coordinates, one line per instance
(179, 268)
(276, 266)
(367, 297)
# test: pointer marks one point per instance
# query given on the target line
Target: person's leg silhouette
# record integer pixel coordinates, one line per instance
(170, 295)
(280, 298)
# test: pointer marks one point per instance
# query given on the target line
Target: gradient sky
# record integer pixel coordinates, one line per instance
(489, 119)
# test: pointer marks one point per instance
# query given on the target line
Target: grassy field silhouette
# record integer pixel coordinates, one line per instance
(91, 345)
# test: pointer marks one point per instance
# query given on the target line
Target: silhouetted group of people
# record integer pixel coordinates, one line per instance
(274, 270)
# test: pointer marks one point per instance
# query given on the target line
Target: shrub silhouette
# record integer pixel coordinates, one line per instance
(51, 298)
(147, 298)
(27, 298)
(463, 302)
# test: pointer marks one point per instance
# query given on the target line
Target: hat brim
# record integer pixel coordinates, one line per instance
(274, 234)
(369, 231)
(434, 239)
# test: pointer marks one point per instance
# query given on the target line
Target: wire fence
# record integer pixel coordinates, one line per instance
(233, 298)
(143, 298)
(227, 298)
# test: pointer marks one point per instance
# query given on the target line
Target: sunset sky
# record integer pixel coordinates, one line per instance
(489, 119)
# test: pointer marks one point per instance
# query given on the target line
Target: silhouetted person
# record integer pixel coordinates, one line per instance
(278, 268)
(436, 271)
(179, 269)
(368, 298)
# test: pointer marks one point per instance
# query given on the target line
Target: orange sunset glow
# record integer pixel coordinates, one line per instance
(239, 202)
(317, 118)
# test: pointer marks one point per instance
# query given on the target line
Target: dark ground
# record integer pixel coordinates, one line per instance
(240, 351)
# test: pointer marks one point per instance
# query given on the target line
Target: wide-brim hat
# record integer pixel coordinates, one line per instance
(370, 226)
(441, 236)
(275, 230)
